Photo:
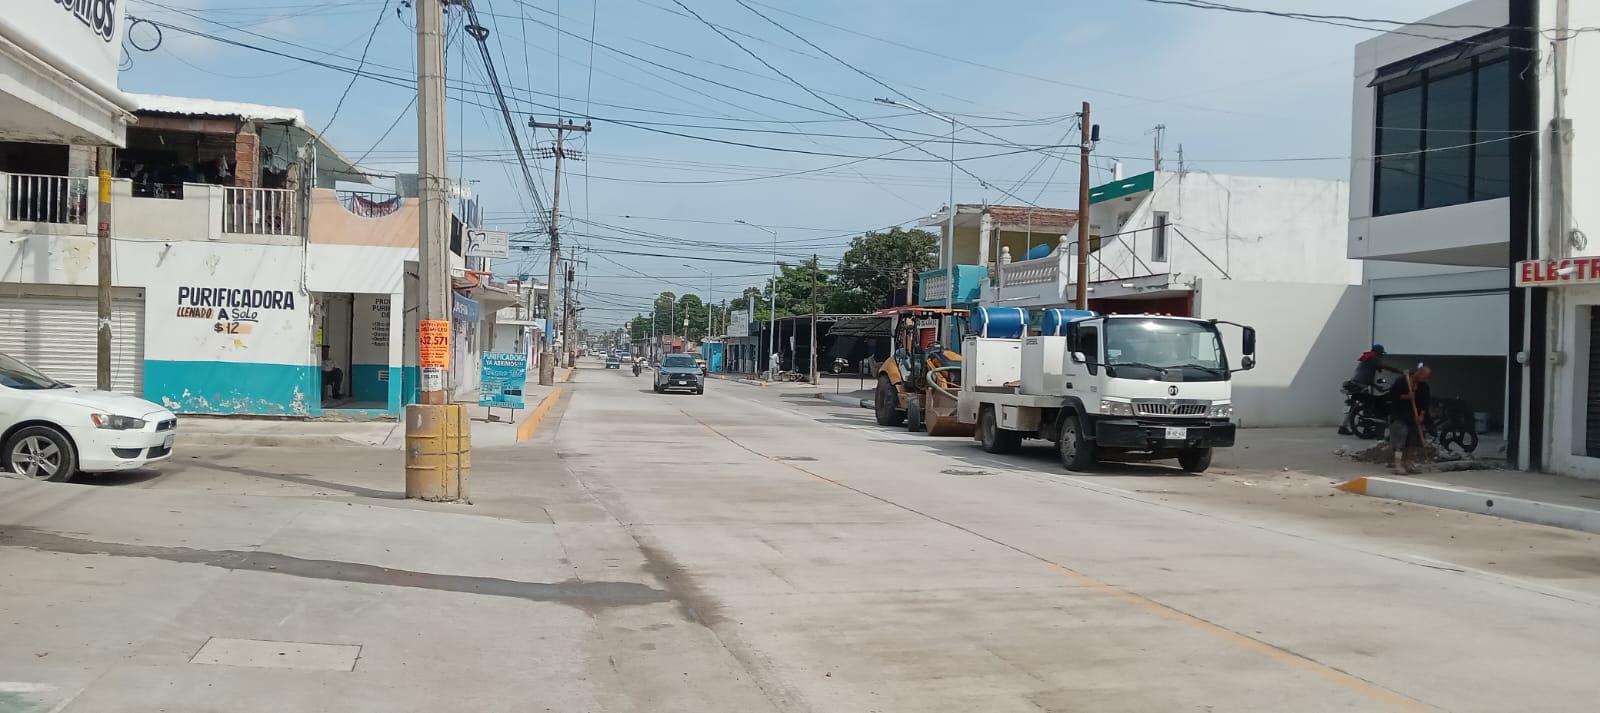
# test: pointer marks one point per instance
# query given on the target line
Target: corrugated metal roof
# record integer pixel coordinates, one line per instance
(193, 106)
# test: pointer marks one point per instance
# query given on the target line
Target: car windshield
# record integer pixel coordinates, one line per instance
(18, 375)
(678, 360)
(1162, 344)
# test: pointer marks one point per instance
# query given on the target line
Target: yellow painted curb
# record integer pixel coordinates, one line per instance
(1357, 486)
(530, 424)
(570, 373)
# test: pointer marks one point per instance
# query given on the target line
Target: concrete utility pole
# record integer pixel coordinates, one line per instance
(772, 308)
(547, 360)
(1083, 209)
(1161, 134)
(102, 354)
(436, 433)
(814, 318)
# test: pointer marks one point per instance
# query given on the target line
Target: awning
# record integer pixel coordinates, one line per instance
(41, 103)
(864, 326)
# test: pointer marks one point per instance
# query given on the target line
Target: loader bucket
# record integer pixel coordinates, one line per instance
(940, 415)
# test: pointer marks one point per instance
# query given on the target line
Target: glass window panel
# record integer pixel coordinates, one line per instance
(1448, 162)
(1399, 137)
(1492, 172)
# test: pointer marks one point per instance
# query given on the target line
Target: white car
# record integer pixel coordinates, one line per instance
(53, 431)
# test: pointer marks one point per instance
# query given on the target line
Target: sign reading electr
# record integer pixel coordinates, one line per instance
(1558, 273)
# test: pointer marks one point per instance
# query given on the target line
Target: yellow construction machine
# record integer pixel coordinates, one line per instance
(917, 384)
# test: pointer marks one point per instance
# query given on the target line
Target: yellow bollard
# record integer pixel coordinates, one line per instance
(438, 452)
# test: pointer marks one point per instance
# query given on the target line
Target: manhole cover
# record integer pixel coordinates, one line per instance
(958, 471)
(277, 654)
(795, 458)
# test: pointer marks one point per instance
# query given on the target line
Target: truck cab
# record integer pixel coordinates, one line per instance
(1120, 387)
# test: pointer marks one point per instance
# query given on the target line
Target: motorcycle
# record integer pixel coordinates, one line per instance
(1363, 416)
(637, 367)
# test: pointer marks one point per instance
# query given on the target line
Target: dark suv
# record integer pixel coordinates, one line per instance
(679, 372)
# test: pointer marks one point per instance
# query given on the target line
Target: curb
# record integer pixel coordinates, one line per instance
(527, 427)
(1443, 496)
(738, 380)
(571, 372)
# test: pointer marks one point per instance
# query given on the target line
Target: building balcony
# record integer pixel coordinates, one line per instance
(64, 205)
(1052, 280)
(934, 285)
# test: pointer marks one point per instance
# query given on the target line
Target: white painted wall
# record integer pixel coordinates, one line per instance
(1307, 339)
(1567, 337)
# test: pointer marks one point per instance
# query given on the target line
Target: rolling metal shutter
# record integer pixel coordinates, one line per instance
(1591, 426)
(1458, 324)
(56, 335)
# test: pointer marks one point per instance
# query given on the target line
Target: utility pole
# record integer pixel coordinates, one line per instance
(1083, 209)
(813, 318)
(1161, 134)
(437, 450)
(102, 355)
(547, 360)
(568, 325)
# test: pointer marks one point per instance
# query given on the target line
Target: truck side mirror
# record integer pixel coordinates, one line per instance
(1249, 342)
(1248, 362)
(1078, 358)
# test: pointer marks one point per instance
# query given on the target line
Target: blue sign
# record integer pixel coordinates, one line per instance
(504, 374)
(463, 309)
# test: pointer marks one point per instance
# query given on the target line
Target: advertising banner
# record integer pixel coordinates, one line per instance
(502, 379)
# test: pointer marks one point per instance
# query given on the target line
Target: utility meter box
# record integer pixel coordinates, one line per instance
(1044, 365)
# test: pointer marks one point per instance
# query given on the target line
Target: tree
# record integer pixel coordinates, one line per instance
(664, 312)
(874, 266)
(690, 315)
(795, 284)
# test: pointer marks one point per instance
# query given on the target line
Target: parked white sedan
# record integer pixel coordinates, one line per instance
(52, 431)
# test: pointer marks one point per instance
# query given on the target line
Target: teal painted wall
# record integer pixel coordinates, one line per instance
(215, 387)
(367, 382)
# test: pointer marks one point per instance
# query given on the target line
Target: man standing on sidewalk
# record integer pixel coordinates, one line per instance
(1408, 408)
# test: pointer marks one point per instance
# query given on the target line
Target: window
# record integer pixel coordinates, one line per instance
(1158, 239)
(1442, 129)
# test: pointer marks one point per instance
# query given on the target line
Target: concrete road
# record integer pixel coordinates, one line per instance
(851, 567)
(757, 549)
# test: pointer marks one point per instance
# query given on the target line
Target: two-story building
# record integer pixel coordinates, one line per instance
(1467, 203)
(244, 282)
(1263, 251)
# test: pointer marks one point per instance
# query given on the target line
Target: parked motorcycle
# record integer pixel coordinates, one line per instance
(1363, 416)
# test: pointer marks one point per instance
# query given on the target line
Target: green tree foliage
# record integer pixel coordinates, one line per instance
(875, 263)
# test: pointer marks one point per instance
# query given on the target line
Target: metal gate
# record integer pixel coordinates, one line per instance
(56, 335)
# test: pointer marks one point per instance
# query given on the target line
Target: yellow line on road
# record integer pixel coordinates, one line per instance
(526, 428)
(1351, 682)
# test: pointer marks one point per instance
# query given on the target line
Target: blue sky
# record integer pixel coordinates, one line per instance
(1232, 89)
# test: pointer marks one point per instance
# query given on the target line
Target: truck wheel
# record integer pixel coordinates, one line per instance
(1196, 460)
(1074, 451)
(994, 438)
(886, 404)
(914, 415)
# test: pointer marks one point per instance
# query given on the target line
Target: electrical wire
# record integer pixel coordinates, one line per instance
(360, 64)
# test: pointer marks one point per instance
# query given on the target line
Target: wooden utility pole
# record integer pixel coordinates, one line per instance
(1083, 209)
(102, 355)
(547, 360)
(813, 351)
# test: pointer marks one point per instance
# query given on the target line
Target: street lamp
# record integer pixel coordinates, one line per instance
(950, 218)
(710, 290)
(772, 305)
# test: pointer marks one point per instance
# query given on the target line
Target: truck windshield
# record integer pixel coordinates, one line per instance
(1155, 348)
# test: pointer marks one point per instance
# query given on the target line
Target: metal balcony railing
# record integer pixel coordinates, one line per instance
(369, 205)
(259, 211)
(47, 199)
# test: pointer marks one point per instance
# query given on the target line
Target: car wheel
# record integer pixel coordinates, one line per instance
(700, 391)
(41, 453)
(886, 404)
(1196, 460)
(914, 415)
(1074, 451)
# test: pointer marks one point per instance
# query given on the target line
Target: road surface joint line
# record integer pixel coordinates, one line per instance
(1349, 681)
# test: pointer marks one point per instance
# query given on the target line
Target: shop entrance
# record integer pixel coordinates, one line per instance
(351, 343)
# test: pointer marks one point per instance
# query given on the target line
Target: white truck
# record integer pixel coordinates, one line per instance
(1119, 387)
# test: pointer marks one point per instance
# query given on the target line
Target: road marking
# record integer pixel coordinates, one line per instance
(529, 425)
(1349, 681)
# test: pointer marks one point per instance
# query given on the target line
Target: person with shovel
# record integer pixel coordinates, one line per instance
(1408, 407)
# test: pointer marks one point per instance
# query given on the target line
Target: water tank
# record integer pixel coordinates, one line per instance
(1039, 251)
(1055, 321)
(1000, 322)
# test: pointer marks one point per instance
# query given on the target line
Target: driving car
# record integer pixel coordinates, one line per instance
(678, 372)
(51, 430)
(613, 361)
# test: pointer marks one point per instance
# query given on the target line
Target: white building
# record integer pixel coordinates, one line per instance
(1268, 252)
(242, 279)
(58, 74)
(1475, 188)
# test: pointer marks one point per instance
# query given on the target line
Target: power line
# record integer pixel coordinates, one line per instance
(382, 12)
